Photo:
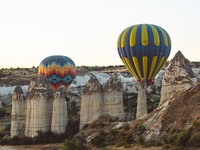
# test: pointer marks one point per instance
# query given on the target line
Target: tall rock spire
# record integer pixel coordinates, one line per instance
(177, 77)
(18, 113)
(39, 107)
(59, 113)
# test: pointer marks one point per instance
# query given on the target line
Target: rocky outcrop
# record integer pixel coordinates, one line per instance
(59, 113)
(101, 99)
(18, 113)
(39, 107)
(175, 114)
(177, 77)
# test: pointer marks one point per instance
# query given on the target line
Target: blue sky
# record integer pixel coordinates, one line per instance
(87, 30)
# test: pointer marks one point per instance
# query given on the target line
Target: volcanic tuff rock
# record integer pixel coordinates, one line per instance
(59, 112)
(18, 113)
(177, 77)
(1, 105)
(177, 114)
(39, 107)
(98, 100)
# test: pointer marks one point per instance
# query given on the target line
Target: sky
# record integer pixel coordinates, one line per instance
(87, 30)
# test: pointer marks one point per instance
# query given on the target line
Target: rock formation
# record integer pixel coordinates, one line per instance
(141, 101)
(177, 77)
(18, 113)
(39, 107)
(113, 99)
(175, 114)
(59, 113)
(91, 102)
(1, 105)
(98, 100)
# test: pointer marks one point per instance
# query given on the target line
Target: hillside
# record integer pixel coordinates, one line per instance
(180, 121)
(182, 111)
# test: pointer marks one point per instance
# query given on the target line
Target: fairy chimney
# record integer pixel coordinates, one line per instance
(18, 113)
(39, 107)
(59, 114)
(177, 77)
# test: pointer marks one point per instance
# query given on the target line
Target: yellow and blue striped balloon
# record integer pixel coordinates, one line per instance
(59, 70)
(144, 49)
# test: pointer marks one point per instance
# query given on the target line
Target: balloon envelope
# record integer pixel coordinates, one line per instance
(144, 49)
(59, 70)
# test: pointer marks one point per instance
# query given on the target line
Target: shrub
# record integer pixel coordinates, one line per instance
(141, 140)
(128, 139)
(2, 113)
(170, 139)
(25, 140)
(195, 124)
(152, 143)
(183, 138)
(99, 141)
(114, 132)
(2, 135)
(14, 140)
(71, 145)
(141, 128)
(195, 140)
(126, 127)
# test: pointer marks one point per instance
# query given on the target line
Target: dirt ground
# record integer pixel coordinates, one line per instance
(58, 146)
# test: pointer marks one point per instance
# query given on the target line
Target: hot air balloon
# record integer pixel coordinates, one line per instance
(143, 49)
(59, 70)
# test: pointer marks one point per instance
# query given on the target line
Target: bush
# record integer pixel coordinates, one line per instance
(195, 140)
(14, 140)
(99, 141)
(128, 139)
(141, 140)
(25, 140)
(113, 132)
(126, 127)
(183, 138)
(141, 129)
(71, 145)
(2, 135)
(170, 139)
(195, 124)
(2, 113)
